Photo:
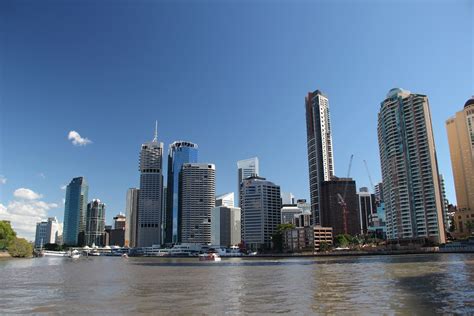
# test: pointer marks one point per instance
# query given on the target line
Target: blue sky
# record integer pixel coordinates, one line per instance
(230, 76)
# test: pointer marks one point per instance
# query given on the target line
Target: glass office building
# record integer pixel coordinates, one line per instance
(75, 210)
(180, 152)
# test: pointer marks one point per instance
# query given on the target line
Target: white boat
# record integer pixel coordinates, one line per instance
(125, 256)
(74, 254)
(209, 257)
(49, 253)
(94, 253)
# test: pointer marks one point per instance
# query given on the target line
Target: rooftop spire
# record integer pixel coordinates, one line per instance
(155, 138)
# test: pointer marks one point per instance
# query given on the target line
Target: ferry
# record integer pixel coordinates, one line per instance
(209, 257)
(49, 253)
(74, 254)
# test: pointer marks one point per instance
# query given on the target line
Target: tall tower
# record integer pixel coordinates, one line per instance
(246, 168)
(411, 187)
(260, 213)
(131, 212)
(197, 195)
(460, 130)
(180, 152)
(150, 199)
(320, 150)
(75, 211)
(95, 223)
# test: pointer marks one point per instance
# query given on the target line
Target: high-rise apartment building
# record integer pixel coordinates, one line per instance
(260, 212)
(246, 168)
(412, 192)
(131, 222)
(180, 152)
(367, 208)
(75, 211)
(460, 130)
(95, 223)
(150, 199)
(48, 232)
(196, 200)
(320, 149)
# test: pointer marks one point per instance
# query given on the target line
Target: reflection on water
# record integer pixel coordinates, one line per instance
(422, 284)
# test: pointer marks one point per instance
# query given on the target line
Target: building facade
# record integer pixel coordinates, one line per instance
(48, 232)
(261, 211)
(246, 168)
(226, 199)
(367, 209)
(95, 223)
(131, 222)
(460, 130)
(180, 152)
(196, 200)
(225, 226)
(412, 191)
(309, 238)
(332, 211)
(150, 199)
(320, 149)
(75, 211)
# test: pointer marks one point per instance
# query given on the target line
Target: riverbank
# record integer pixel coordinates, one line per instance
(4, 254)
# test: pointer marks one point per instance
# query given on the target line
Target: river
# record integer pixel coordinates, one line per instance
(402, 284)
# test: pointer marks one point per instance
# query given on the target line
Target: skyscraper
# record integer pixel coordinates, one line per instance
(75, 211)
(150, 199)
(226, 199)
(197, 195)
(246, 168)
(180, 152)
(460, 130)
(367, 208)
(320, 150)
(260, 212)
(411, 188)
(95, 223)
(131, 211)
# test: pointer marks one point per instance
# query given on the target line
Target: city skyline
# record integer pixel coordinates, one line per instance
(73, 146)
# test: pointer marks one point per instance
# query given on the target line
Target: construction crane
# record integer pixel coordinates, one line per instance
(341, 199)
(370, 179)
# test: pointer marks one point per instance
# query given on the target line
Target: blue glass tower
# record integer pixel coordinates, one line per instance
(180, 152)
(75, 211)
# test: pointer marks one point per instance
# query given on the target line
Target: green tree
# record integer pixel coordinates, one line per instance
(324, 246)
(20, 248)
(470, 226)
(342, 240)
(7, 235)
(277, 237)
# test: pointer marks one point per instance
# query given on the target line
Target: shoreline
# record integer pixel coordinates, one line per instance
(323, 255)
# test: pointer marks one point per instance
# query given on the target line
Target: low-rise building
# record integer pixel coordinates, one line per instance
(309, 238)
(463, 223)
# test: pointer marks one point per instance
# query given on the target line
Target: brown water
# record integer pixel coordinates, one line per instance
(410, 284)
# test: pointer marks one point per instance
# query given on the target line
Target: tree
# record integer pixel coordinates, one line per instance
(277, 237)
(324, 246)
(342, 240)
(7, 234)
(20, 248)
(470, 226)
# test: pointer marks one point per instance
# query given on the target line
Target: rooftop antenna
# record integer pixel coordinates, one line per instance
(155, 138)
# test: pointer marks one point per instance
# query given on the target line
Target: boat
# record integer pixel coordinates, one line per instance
(49, 253)
(125, 256)
(74, 254)
(94, 253)
(209, 257)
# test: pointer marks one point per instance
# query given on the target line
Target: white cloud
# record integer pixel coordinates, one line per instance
(63, 187)
(77, 140)
(26, 194)
(3, 180)
(42, 175)
(25, 212)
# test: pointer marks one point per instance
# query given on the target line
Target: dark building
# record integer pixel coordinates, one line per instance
(332, 214)
(367, 208)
